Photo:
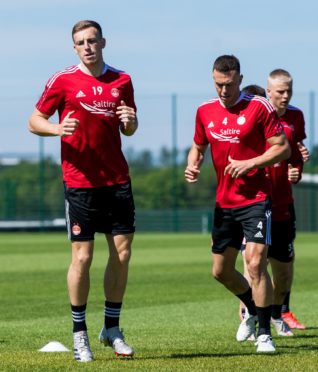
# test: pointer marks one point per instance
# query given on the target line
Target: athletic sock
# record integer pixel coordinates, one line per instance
(248, 301)
(285, 307)
(276, 311)
(78, 316)
(112, 314)
(264, 320)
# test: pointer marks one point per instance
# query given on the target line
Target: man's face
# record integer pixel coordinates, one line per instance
(88, 45)
(227, 85)
(279, 94)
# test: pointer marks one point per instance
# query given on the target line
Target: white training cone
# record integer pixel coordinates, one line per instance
(54, 346)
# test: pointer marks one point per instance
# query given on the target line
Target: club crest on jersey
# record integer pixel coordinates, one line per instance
(241, 120)
(76, 229)
(114, 92)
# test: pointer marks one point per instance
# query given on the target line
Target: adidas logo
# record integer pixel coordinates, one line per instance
(80, 94)
(258, 235)
(211, 124)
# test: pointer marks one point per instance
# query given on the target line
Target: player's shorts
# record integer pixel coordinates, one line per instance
(109, 210)
(283, 236)
(232, 224)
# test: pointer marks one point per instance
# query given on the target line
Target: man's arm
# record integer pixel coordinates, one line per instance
(279, 150)
(195, 159)
(39, 124)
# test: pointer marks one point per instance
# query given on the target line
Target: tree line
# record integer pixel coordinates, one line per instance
(35, 191)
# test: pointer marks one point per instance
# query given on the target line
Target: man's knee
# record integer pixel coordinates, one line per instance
(219, 273)
(124, 255)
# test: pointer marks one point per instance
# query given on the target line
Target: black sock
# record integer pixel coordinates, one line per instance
(264, 320)
(112, 314)
(276, 311)
(285, 307)
(248, 301)
(78, 316)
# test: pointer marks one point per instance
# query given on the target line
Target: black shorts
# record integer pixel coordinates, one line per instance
(283, 236)
(108, 210)
(232, 224)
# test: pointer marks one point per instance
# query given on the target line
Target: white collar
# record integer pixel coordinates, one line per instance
(236, 102)
(105, 68)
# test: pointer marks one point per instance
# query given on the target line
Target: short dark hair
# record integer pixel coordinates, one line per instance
(82, 25)
(254, 89)
(227, 63)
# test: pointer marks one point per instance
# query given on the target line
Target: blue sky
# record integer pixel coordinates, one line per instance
(167, 46)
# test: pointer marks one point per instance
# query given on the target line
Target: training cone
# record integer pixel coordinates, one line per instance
(54, 346)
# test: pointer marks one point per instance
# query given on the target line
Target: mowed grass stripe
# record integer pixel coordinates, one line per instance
(175, 315)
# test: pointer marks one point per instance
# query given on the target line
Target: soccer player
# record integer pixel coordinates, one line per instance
(281, 250)
(237, 128)
(279, 90)
(95, 102)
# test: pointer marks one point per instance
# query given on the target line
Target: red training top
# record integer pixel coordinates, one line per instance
(92, 156)
(294, 118)
(282, 193)
(241, 132)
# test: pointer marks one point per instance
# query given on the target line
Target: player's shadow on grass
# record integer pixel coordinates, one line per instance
(216, 355)
(300, 347)
(298, 336)
(309, 328)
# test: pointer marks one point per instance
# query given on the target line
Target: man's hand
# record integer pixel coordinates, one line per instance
(293, 174)
(304, 151)
(68, 125)
(237, 168)
(128, 118)
(191, 173)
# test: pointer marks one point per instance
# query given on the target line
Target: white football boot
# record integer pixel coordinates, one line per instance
(82, 350)
(247, 327)
(281, 327)
(265, 344)
(114, 337)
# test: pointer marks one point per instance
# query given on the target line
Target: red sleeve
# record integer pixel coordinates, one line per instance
(296, 159)
(129, 95)
(269, 119)
(199, 135)
(300, 133)
(52, 97)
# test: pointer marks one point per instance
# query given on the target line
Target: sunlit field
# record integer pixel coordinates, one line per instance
(174, 315)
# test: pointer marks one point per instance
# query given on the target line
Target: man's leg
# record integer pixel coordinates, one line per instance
(116, 273)
(282, 277)
(281, 283)
(78, 282)
(246, 275)
(256, 260)
(115, 281)
(224, 271)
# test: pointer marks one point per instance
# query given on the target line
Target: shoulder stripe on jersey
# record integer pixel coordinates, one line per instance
(69, 70)
(264, 101)
(260, 99)
(209, 102)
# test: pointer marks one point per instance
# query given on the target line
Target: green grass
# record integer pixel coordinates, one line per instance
(175, 315)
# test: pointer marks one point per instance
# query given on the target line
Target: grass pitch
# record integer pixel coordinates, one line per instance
(175, 315)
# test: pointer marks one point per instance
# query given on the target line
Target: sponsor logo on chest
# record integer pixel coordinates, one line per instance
(98, 105)
(229, 130)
